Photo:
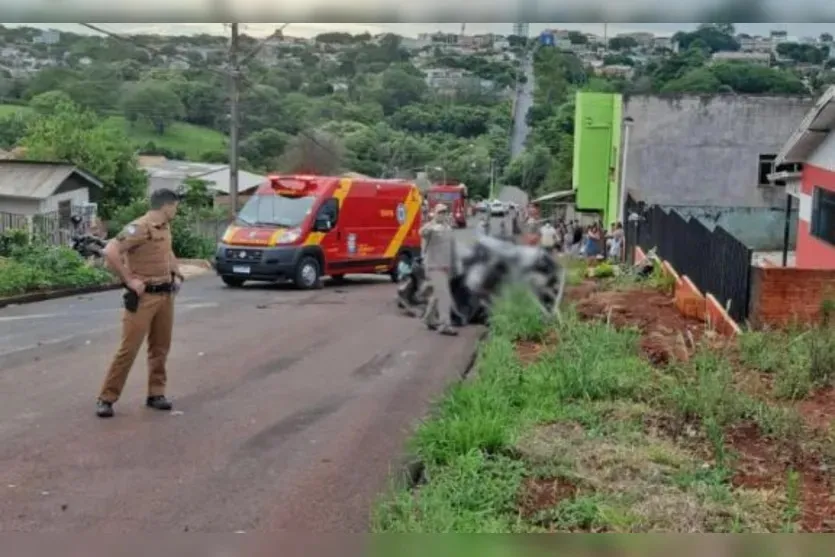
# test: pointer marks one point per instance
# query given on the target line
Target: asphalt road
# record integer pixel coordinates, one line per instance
(291, 411)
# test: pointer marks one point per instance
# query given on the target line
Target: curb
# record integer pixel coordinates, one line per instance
(202, 263)
(55, 294)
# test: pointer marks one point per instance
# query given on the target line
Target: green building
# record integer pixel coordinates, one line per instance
(597, 146)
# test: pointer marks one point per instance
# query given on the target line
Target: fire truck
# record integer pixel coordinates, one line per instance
(454, 196)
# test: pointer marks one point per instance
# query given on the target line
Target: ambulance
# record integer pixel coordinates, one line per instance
(300, 228)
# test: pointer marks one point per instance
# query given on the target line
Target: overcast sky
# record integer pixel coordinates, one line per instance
(412, 29)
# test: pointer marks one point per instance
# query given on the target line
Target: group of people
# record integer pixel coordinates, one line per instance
(508, 226)
(592, 241)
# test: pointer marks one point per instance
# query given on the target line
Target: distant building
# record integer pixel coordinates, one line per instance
(615, 70)
(664, 42)
(37, 187)
(755, 44)
(48, 37)
(643, 39)
(812, 147)
(759, 58)
(164, 173)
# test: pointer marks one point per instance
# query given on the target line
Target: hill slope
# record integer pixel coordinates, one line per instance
(192, 140)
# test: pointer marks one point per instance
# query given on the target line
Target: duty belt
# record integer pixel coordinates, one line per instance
(165, 288)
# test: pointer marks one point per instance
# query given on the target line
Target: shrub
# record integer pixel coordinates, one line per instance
(31, 267)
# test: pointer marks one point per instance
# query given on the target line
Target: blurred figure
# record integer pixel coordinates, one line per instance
(615, 243)
(439, 260)
(548, 238)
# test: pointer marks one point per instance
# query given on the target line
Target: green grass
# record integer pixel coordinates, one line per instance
(585, 414)
(192, 140)
(9, 109)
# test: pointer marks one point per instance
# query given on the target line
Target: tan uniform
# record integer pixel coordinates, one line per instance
(439, 254)
(146, 245)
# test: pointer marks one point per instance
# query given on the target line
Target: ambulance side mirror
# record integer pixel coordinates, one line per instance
(322, 224)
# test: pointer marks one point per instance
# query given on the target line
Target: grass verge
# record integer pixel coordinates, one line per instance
(590, 435)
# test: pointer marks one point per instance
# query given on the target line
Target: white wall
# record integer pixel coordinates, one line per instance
(19, 206)
(79, 196)
(824, 155)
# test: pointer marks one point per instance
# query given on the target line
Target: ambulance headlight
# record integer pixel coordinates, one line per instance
(227, 236)
(289, 236)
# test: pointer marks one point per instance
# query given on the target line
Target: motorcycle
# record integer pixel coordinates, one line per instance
(85, 244)
(481, 273)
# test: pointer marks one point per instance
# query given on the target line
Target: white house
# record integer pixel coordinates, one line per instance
(37, 187)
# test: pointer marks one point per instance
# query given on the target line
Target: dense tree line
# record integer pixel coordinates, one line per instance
(358, 102)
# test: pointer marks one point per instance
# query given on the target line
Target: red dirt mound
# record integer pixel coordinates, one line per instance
(667, 335)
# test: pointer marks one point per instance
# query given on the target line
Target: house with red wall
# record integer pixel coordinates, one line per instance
(806, 166)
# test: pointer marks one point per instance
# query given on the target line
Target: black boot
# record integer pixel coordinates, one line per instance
(159, 403)
(104, 409)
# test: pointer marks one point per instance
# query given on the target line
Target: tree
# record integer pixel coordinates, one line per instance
(400, 87)
(47, 103)
(73, 134)
(715, 36)
(263, 148)
(314, 152)
(699, 80)
(153, 101)
(575, 37)
(622, 43)
(826, 38)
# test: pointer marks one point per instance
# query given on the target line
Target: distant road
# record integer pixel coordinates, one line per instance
(524, 101)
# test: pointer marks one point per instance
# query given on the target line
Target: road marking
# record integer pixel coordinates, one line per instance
(87, 333)
(87, 312)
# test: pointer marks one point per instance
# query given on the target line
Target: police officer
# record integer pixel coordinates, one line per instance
(439, 255)
(151, 277)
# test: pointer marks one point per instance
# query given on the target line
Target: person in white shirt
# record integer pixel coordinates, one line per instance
(548, 237)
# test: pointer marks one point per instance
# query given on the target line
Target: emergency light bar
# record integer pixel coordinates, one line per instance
(292, 187)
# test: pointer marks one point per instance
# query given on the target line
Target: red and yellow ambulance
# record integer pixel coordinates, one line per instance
(300, 228)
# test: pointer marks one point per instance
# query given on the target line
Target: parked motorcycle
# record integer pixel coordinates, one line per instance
(85, 244)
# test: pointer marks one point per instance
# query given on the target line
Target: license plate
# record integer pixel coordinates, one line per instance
(240, 270)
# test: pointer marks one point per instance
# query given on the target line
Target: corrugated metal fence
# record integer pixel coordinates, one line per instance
(716, 261)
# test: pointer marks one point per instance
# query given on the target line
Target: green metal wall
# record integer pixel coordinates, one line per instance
(597, 138)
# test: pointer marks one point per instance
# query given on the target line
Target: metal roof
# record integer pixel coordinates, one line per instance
(216, 174)
(565, 194)
(37, 179)
(812, 131)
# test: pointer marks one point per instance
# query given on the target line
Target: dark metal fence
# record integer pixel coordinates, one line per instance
(714, 260)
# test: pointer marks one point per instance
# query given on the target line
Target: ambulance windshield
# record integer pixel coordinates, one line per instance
(444, 196)
(275, 210)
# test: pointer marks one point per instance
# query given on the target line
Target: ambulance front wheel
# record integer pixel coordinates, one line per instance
(308, 273)
(232, 282)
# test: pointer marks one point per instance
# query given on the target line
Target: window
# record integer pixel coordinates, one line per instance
(275, 210)
(767, 167)
(823, 215)
(444, 197)
(330, 211)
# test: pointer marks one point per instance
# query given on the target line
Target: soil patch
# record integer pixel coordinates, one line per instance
(765, 464)
(529, 351)
(818, 409)
(581, 291)
(542, 494)
(667, 334)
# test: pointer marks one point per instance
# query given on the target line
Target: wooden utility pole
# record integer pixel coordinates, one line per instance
(234, 117)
